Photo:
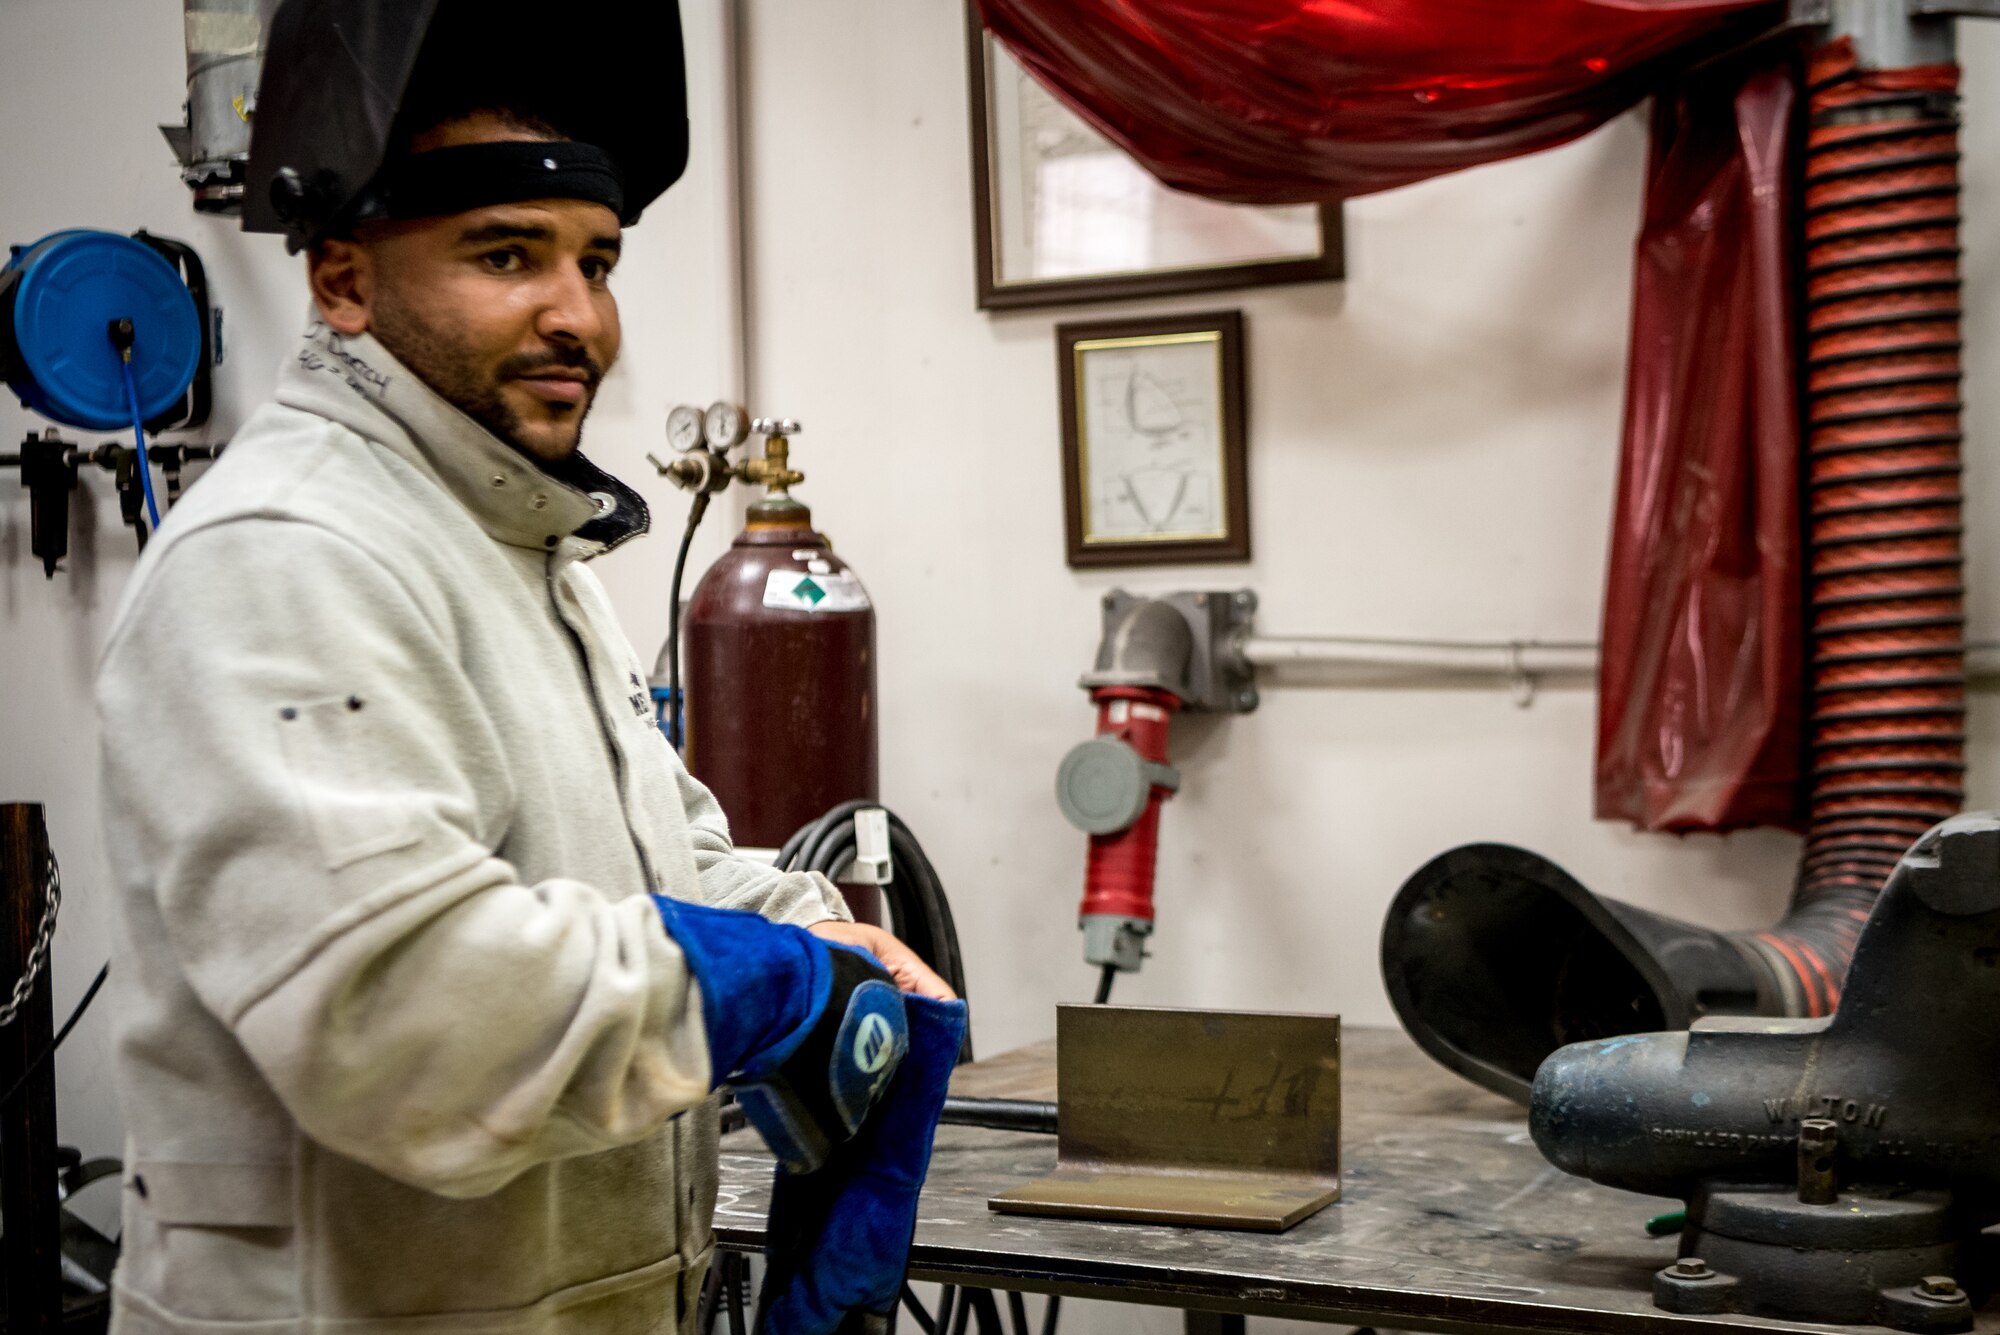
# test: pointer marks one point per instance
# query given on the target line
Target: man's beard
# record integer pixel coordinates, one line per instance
(453, 370)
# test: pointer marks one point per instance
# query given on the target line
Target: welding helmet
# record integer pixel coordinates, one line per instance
(343, 81)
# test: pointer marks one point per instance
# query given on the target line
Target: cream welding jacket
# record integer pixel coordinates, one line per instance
(402, 1044)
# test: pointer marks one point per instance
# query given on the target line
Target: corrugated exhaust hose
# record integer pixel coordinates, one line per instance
(1884, 489)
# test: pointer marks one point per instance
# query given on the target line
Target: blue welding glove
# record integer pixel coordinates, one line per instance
(839, 1238)
(808, 1034)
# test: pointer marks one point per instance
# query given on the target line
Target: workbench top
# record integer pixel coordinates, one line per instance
(1449, 1220)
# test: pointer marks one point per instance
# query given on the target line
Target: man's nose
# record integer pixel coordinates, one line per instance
(570, 310)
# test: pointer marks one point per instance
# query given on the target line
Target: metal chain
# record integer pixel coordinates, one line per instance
(38, 954)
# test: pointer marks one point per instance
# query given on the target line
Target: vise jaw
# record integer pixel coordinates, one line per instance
(1835, 1169)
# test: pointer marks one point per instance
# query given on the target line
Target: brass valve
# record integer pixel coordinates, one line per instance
(773, 471)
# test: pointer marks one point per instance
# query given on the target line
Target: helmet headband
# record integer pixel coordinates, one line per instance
(476, 176)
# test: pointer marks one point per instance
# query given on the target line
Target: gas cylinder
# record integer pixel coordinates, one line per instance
(779, 653)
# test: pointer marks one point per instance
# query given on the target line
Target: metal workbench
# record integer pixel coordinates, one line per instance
(1449, 1220)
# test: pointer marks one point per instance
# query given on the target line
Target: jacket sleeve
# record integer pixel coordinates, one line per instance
(724, 879)
(315, 791)
(732, 882)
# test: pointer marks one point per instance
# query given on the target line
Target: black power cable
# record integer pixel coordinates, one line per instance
(89, 995)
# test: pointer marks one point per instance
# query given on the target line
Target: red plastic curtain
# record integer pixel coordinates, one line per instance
(1698, 695)
(1292, 101)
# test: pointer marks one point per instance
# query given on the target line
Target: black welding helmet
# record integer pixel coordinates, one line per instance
(342, 77)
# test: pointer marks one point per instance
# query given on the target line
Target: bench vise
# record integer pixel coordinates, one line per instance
(1835, 1169)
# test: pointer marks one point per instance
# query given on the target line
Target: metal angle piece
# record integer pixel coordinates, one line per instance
(1218, 1119)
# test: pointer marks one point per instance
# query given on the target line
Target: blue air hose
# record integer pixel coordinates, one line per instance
(139, 440)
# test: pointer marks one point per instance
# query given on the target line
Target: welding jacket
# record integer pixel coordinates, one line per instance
(402, 1043)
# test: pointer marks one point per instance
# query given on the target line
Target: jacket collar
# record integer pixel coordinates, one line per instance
(357, 383)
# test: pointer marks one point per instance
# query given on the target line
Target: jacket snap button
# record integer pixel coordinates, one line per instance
(499, 479)
(538, 501)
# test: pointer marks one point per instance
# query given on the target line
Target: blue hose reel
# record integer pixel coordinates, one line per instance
(59, 299)
(104, 332)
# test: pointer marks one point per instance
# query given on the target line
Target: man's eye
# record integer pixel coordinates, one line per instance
(503, 261)
(596, 270)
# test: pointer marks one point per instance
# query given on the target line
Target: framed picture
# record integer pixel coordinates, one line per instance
(1153, 430)
(1061, 215)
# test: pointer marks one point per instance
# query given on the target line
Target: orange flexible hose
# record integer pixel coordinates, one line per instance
(1887, 668)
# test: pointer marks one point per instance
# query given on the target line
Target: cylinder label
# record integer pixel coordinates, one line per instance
(803, 591)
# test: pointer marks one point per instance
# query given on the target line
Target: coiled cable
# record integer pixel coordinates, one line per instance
(919, 914)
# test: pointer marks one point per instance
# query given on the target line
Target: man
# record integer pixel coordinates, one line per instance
(420, 1011)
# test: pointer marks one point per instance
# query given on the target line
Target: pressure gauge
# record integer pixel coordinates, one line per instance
(684, 428)
(726, 426)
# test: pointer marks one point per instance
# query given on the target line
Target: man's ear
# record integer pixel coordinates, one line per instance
(342, 275)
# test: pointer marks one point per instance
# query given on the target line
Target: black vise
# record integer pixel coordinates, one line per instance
(1836, 1169)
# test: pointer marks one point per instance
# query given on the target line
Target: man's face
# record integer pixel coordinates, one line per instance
(505, 311)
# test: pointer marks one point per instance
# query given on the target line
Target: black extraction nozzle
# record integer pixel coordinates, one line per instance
(1495, 957)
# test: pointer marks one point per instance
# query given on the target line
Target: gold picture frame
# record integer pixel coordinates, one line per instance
(1155, 458)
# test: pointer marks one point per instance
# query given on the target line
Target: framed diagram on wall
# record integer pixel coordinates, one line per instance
(1155, 458)
(1062, 215)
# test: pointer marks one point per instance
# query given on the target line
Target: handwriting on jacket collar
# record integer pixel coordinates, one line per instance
(327, 351)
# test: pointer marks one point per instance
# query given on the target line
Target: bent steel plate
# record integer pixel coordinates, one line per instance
(1220, 1119)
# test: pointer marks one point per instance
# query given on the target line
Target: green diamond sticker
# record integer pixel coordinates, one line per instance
(809, 591)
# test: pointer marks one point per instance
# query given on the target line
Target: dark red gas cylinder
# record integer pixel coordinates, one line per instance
(779, 653)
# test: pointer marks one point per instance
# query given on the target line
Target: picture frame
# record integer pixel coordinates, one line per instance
(1062, 216)
(1154, 440)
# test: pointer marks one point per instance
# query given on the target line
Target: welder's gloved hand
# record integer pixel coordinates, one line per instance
(819, 1095)
(839, 1238)
(808, 1034)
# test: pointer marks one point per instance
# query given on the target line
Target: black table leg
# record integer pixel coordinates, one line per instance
(1212, 1323)
(33, 1247)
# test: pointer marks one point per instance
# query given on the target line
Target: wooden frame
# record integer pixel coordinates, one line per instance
(1189, 500)
(995, 295)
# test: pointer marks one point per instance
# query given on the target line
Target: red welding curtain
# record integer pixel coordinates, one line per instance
(1698, 714)
(1290, 101)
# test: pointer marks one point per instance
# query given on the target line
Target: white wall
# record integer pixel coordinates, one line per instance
(1432, 452)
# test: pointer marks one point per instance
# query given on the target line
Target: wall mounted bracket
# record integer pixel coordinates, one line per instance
(1189, 644)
